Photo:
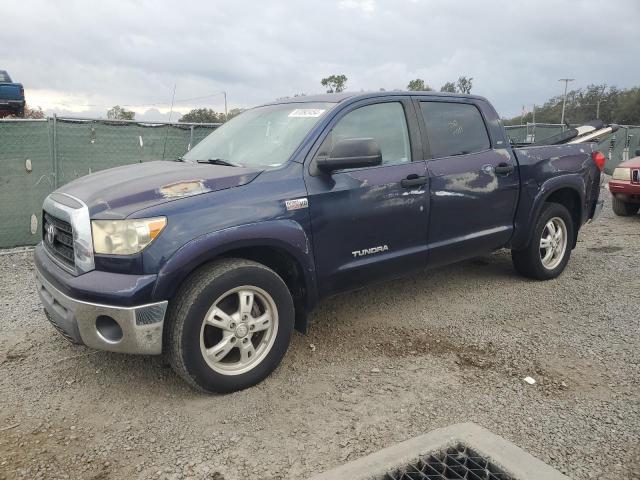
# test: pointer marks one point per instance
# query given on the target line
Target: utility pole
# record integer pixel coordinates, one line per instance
(598, 104)
(564, 100)
(225, 105)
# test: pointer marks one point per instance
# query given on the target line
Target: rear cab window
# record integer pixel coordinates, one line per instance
(454, 128)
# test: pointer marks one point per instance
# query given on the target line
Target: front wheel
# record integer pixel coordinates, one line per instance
(623, 209)
(549, 251)
(230, 325)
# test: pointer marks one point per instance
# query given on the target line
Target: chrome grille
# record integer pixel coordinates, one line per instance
(57, 237)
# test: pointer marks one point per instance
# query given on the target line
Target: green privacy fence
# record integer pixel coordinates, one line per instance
(37, 156)
(617, 147)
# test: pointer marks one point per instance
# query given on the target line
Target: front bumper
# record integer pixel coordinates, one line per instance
(135, 329)
(625, 190)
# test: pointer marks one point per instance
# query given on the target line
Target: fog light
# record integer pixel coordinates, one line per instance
(108, 329)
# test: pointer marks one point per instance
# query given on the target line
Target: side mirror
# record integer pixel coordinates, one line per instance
(637, 152)
(351, 153)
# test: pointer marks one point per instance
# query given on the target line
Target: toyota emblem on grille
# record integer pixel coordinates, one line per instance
(51, 233)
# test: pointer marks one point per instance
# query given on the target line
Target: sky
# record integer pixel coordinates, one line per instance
(81, 57)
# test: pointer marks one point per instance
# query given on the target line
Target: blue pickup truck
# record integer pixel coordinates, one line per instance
(214, 259)
(11, 95)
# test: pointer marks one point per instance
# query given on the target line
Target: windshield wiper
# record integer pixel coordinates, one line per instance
(218, 161)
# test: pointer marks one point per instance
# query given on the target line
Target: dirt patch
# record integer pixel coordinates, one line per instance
(404, 343)
(605, 249)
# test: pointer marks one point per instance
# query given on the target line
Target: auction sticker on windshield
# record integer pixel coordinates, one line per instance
(307, 112)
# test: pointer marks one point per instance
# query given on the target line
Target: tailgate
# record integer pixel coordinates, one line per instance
(10, 91)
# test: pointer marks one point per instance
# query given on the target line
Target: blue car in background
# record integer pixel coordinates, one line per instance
(12, 100)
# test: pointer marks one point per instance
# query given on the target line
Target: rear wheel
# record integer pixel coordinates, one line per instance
(624, 209)
(549, 251)
(230, 327)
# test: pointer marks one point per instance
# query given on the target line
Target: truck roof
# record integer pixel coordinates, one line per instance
(340, 97)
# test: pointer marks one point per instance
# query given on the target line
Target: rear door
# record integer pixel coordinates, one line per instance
(474, 182)
(368, 224)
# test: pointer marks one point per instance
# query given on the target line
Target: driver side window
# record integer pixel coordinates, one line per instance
(384, 122)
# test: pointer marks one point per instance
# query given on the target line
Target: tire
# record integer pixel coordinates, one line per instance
(206, 316)
(529, 262)
(623, 209)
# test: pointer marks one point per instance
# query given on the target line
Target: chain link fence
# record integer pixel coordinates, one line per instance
(38, 156)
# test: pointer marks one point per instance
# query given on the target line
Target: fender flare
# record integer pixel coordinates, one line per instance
(526, 226)
(284, 234)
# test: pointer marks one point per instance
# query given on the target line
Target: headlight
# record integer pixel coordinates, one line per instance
(125, 237)
(621, 174)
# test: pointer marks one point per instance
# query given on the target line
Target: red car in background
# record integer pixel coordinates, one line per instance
(625, 187)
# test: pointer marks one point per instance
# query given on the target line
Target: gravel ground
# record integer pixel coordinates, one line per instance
(379, 366)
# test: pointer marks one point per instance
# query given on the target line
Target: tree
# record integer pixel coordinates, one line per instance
(611, 104)
(464, 85)
(34, 113)
(233, 112)
(334, 83)
(202, 115)
(418, 85)
(448, 87)
(119, 113)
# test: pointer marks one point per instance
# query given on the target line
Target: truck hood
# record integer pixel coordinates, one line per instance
(121, 191)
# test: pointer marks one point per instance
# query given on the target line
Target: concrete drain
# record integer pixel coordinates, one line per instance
(460, 452)
(457, 463)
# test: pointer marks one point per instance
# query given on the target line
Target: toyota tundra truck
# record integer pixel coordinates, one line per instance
(214, 259)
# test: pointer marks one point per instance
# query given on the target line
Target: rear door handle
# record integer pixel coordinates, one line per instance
(413, 180)
(503, 169)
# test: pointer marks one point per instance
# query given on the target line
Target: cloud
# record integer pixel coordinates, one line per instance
(84, 57)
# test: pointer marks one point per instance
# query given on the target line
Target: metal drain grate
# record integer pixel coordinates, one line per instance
(456, 463)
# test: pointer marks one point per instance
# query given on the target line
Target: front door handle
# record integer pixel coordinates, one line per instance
(503, 169)
(413, 180)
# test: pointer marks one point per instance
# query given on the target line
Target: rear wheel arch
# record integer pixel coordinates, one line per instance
(572, 201)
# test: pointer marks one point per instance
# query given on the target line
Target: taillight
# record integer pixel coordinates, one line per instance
(599, 159)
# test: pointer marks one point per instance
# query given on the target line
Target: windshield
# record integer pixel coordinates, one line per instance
(263, 137)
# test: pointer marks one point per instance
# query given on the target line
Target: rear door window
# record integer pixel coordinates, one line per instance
(454, 128)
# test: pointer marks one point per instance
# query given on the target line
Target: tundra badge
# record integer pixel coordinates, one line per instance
(369, 251)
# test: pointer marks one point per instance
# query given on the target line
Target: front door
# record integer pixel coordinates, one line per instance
(473, 185)
(367, 224)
